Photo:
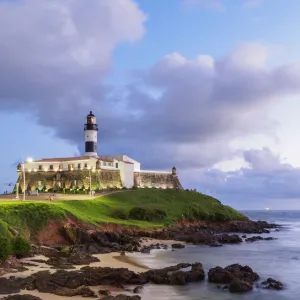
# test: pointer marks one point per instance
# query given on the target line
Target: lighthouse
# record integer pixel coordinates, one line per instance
(91, 135)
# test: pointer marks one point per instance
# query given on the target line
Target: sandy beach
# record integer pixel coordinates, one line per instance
(112, 260)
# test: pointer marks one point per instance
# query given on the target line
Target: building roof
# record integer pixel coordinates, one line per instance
(105, 159)
(128, 162)
(63, 159)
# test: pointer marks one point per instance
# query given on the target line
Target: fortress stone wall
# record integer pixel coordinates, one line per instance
(158, 180)
(100, 179)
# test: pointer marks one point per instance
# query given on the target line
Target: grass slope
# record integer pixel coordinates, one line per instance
(33, 216)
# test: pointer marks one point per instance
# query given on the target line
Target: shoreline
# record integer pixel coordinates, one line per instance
(126, 258)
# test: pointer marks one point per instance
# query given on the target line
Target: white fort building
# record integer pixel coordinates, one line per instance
(91, 172)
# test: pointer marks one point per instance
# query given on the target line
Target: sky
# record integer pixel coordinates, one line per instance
(209, 86)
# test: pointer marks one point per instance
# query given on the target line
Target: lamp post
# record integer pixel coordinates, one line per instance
(24, 192)
(17, 190)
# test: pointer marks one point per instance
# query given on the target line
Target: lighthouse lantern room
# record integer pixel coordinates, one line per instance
(91, 135)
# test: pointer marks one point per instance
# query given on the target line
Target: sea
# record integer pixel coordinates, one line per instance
(279, 259)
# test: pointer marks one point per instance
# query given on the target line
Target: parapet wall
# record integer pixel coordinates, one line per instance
(158, 180)
(100, 179)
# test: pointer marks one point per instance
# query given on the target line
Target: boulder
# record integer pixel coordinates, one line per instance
(272, 284)
(219, 275)
(178, 246)
(83, 291)
(239, 286)
(21, 297)
(137, 289)
(104, 292)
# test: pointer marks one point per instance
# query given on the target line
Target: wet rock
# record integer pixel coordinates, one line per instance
(177, 278)
(215, 244)
(21, 297)
(145, 250)
(229, 239)
(273, 284)
(83, 291)
(9, 286)
(258, 238)
(240, 278)
(104, 292)
(219, 275)
(178, 246)
(196, 274)
(244, 236)
(122, 297)
(239, 286)
(243, 272)
(138, 289)
(175, 275)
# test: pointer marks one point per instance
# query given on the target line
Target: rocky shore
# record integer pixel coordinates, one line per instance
(72, 276)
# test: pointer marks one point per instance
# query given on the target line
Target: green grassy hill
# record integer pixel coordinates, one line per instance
(142, 207)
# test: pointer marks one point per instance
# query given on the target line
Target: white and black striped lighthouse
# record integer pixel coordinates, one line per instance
(91, 135)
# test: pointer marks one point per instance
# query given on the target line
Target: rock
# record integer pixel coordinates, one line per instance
(21, 297)
(104, 292)
(215, 244)
(244, 236)
(178, 246)
(229, 239)
(177, 278)
(220, 275)
(196, 274)
(235, 271)
(108, 298)
(145, 250)
(123, 253)
(9, 286)
(239, 286)
(243, 272)
(258, 238)
(273, 284)
(83, 291)
(122, 297)
(138, 289)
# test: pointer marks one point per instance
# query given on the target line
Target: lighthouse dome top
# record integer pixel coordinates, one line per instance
(91, 114)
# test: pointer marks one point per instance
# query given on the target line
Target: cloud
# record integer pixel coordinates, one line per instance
(208, 4)
(55, 57)
(267, 182)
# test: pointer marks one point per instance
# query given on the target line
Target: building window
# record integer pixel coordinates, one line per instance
(59, 184)
(79, 166)
(117, 165)
(40, 167)
(104, 163)
(60, 166)
(70, 167)
(39, 183)
(51, 167)
(85, 165)
(75, 183)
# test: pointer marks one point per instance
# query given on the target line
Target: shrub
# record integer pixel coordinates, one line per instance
(20, 246)
(119, 214)
(5, 248)
(146, 214)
